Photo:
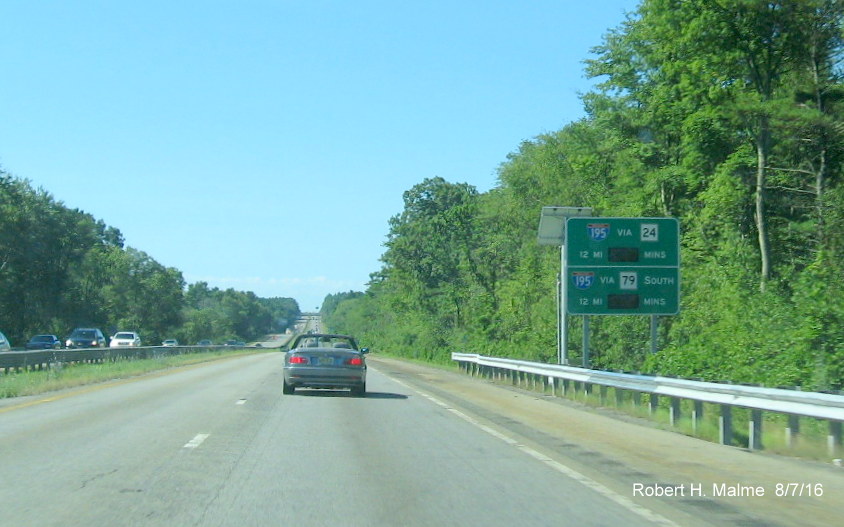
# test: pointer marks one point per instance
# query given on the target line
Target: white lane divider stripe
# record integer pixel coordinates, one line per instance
(196, 441)
(556, 465)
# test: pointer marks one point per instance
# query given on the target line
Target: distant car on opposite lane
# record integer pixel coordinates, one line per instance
(170, 342)
(4, 343)
(123, 339)
(205, 342)
(44, 342)
(320, 360)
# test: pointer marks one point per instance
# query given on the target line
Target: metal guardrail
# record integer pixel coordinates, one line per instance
(15, 361)
(793, 403)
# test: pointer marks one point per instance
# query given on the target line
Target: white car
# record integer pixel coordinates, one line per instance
(123, 339)
(170, 342)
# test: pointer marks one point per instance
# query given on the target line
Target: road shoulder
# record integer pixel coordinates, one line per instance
(637, 459)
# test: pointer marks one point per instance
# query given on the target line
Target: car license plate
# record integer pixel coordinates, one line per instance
(326, 361)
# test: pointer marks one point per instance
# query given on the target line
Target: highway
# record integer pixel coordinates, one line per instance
(216, 444)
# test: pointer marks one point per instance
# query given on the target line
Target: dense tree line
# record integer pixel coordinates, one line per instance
(60, 268)
(726, 114)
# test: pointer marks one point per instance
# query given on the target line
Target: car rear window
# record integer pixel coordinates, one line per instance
(322, 341)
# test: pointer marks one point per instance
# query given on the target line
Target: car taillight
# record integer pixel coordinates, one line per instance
(298, 360)
(355, 361)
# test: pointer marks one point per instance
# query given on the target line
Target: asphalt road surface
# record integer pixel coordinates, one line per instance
(217, 444)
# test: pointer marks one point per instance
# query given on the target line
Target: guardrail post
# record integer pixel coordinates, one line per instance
(551, 385)
(833, 441)
(792, 430)
(674, 411)
(725, 425)
(697, 415)
(636, 399)
(654, 403)
(754, 431)
(619, 396)
(564, 389)
(603, 391)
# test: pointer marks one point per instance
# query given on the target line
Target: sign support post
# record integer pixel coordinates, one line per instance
(552, 231)
(562, 334)
(654, 332)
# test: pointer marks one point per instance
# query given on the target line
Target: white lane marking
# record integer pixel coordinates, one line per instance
(240, 401)
(196, 441)
(601, 489)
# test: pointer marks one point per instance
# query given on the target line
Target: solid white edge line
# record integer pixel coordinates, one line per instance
(601, 489)
(196, 441)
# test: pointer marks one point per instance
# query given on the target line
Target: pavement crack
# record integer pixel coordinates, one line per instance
(96, 477)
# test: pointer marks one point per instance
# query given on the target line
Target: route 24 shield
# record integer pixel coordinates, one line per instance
(583, 279)
(598, 231)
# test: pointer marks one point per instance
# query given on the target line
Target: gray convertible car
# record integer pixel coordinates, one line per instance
(320, 360)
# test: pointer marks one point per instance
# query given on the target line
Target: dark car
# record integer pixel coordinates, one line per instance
(86, 338)
(318, 360)
(44, 342)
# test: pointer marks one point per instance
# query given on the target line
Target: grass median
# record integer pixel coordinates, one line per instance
(61, 377)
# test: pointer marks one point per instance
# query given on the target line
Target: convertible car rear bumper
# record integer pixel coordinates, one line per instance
(324, 377)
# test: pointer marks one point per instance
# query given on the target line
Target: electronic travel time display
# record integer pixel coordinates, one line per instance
(622, 266)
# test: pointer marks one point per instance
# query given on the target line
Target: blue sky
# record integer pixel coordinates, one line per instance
(264, 145)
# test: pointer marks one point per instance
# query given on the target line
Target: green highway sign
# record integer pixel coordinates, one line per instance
(623, 291)
(622, 266)
(623, 241)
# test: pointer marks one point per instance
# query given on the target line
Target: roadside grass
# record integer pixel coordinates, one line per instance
(61, 377)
